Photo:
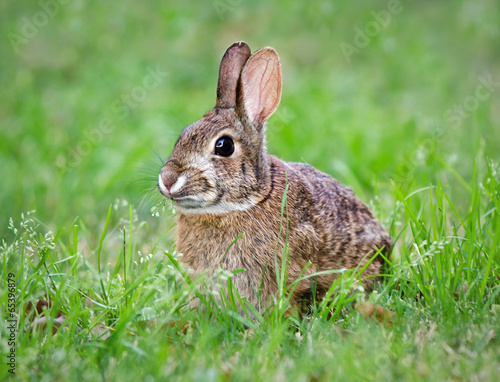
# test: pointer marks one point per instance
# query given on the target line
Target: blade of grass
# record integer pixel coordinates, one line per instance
(99, 254)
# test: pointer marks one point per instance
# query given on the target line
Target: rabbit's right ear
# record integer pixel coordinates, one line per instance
(229, 73)
(260, 86)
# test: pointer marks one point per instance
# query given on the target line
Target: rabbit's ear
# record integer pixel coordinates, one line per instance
(229, 73)
(260, 86)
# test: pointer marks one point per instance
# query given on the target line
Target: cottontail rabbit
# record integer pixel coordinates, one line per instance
(224, 183)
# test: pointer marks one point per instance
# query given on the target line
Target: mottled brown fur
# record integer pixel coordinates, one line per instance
(219, 198)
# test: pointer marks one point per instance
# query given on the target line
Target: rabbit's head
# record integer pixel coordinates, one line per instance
(219, 163)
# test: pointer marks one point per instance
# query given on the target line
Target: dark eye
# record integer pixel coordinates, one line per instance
(224, 146)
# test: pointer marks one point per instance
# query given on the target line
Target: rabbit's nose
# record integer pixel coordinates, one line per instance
(169, 177)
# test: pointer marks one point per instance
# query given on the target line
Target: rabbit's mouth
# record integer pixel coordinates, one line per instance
(203, 199)
(201, 206)
(189, 202)
(185, 200)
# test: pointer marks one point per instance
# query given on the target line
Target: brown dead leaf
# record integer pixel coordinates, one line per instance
(382, 315)
(101, 332)
(40, 306)
(41, 322)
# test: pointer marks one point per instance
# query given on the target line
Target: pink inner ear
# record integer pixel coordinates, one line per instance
(261, 85)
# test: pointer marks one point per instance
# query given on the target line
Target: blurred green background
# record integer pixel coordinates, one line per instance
(380, 94)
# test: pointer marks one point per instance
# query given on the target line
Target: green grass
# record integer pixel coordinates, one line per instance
(385, 123)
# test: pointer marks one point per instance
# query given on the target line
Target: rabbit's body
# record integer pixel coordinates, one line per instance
(329, 234)
(220, 196)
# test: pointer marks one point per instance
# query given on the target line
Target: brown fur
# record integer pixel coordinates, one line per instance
(226, 196)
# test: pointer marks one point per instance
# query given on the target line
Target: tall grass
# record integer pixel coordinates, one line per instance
(130, 319)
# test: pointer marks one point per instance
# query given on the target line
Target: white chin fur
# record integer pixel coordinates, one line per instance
(222, 208)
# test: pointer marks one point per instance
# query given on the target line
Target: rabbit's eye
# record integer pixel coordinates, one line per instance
(224, 146)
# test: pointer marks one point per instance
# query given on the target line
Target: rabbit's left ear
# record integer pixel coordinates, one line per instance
(260, 86)
(229, 73)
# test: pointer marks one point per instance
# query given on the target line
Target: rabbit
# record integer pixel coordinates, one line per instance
(224, 184)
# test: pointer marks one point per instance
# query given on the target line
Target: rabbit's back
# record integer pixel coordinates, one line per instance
(346, 227)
